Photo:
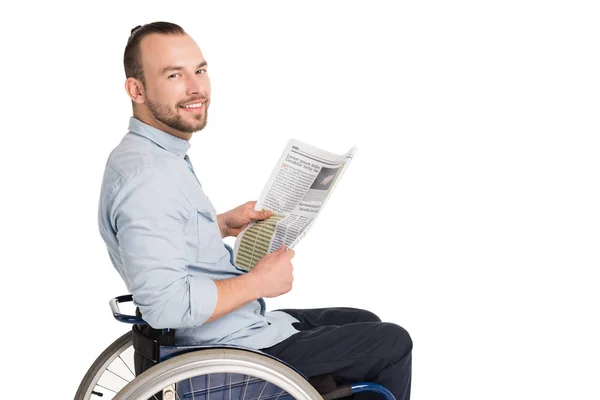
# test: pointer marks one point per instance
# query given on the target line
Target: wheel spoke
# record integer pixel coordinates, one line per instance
(117, 375)
(104, 387)
(246, 386)
(279, 395)
(192, 389)
(263, 390)
(127, 365)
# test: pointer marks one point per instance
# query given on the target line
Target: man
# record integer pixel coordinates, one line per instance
(164, 237)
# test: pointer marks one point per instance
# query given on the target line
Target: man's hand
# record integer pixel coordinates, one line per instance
(272, 275)
(232, 222)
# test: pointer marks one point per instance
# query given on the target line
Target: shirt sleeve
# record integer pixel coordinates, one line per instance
(149, 215)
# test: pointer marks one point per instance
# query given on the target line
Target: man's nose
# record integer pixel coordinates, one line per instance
(193, 86)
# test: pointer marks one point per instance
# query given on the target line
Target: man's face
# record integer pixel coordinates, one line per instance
(177, 87)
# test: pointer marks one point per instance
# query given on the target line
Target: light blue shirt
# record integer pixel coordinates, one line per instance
(162, 237)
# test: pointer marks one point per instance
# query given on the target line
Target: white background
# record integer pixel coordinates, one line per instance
(469, 214)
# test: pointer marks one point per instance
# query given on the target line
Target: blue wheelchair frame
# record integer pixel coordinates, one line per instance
(168, 352)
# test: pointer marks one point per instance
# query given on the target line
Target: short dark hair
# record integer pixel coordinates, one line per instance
(132, 59)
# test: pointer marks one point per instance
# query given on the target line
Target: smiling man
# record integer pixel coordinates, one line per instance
(164, 237)
(178, 97)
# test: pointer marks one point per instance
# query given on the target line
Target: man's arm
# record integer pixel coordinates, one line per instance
(149, 215)
(271, 277)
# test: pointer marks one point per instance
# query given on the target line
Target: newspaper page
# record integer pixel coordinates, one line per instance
(298, 188)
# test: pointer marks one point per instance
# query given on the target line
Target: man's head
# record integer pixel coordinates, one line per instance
(167, 79)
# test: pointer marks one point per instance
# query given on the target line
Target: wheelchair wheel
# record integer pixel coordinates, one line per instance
(111, 371)
(220, 374)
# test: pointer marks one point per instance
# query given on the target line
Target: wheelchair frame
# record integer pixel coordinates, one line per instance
(183, 362)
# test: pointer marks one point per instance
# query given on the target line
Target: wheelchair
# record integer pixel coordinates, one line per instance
(204, 373)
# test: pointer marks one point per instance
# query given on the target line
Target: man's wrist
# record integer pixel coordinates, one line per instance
(222, 225)
(252, 280)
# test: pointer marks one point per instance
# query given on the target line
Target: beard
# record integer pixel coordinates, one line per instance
(171, 117)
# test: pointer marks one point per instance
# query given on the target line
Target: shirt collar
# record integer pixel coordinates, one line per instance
(165, 140)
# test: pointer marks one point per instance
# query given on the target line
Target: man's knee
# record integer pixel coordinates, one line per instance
(398, 341)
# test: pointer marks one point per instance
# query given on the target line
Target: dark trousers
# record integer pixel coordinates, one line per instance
(352, 345)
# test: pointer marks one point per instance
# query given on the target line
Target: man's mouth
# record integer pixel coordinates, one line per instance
(193, 107)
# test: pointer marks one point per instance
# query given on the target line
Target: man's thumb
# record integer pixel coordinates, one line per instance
(280, 250)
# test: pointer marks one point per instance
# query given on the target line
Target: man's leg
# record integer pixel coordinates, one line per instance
(317, 317)
(350, 351)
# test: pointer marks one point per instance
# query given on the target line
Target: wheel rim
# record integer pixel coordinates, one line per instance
(185, 368)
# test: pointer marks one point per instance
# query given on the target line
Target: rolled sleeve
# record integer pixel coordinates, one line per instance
(149, 216)
(207, 289)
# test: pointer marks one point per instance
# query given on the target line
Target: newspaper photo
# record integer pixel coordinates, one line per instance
(296, 192)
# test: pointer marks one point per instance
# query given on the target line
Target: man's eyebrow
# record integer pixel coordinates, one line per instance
(178, 68)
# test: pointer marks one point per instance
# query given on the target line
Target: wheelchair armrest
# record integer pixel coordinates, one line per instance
(130, 319)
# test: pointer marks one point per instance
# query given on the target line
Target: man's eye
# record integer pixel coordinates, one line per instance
(172, 76)
(201, 71)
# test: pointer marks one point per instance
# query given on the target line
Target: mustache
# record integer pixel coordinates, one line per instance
(203, 99)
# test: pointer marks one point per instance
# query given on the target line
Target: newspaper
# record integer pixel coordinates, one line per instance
(298, 188)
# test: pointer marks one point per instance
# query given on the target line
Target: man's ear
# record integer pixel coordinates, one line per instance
(135, 90)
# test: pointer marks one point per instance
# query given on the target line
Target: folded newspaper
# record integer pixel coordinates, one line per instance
(296, 192)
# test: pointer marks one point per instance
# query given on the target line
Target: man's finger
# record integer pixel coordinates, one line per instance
(266, 213)
(262, 214)
(280, 250)
(290, 253)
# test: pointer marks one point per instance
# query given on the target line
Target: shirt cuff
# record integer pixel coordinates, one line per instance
(203, 300)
